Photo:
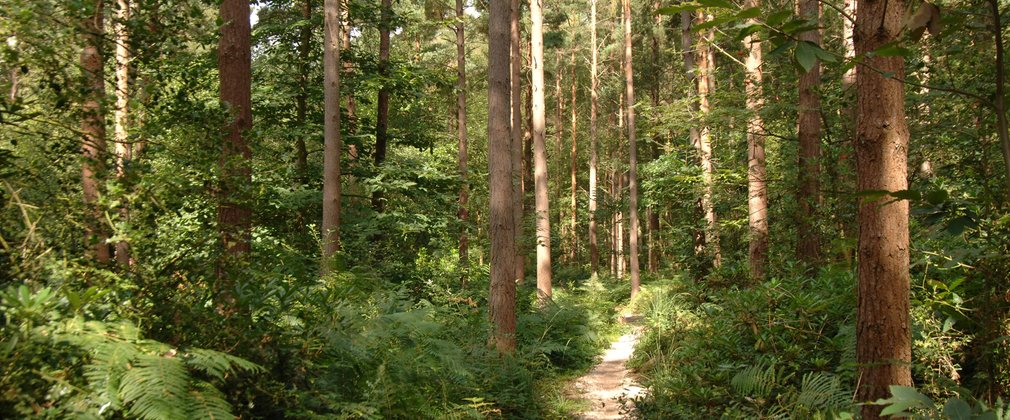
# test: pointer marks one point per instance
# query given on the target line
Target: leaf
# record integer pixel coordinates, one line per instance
(747, 29)
(907, 195)
(957, 409)
(776, 19)
(722, 4)
(937, 197)
(890, 50)
(958, 225)
(806, 55)
(781, 48)
(748, 13)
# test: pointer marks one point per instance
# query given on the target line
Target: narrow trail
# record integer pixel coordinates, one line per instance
(611, 379)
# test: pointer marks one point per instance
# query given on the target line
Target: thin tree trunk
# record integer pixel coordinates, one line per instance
(706, 84)
(502, 296)
(619, 184)
(331, 129)
(757, 188)
(543, 221)
(651, 215)
(234, 217)
(464, 188)
(883, 340)
(848, 226)
(594, 250)
(629, 80)
(808, 242)
(348, 69)
(690, 65)
(1002, 125)
(93, 147)
(302, 98)
(575, 164)
(382, 103)
(517, 140)
(124, 148)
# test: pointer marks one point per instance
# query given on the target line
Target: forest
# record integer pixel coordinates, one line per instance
(433, 209)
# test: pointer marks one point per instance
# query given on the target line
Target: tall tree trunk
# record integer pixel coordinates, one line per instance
(808, 243)
(629, 79)
(691, 66)
(331, 129)
(594, 250)
(706, 84)
(757, 188)
(619, 183)
(883, 341)
(234, 61)
(302, 98)
(572, 251)
(543, 213)
(124, 147)
(652, 216)
(517, 140)
(1002, 125)
(382, 103)
(848, 226)
(464, 188)
(93, 147)
(502, 296)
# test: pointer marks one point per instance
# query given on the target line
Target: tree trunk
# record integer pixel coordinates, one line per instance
(124, 147)
(809, 121)
(883, 342)
(502, 296)
(629, 80)
(517, 140)
(348, 69)
(706, 84)
(573, 250)
(619, 183)
(382, 103)
(543, 213)
(234, 217)
(93, 147)
(594, 250)
(691, 67)
(594, 246)
(757, 188)
(461, 136)
(651, 215)
(331, 129)
(1002, 125)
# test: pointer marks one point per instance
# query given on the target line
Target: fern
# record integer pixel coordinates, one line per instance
(756, 381)
(821, 391)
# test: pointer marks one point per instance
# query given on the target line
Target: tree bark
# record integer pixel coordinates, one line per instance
(809, 121)
(517, 140)
(651, 215)
(619, 183)
(461, 136)
(629, 79)
(543, 220)
(93, 146)
(1002, 125)
(124, 147)
(691, 66)
(382, 102)
(757, 188)
(594, 250)
(573, 250)
(502, 294)
(883, 341)
(234, 217)
(332, 27)
(706, 84)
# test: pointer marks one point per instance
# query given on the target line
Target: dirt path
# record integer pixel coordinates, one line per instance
(609, 380)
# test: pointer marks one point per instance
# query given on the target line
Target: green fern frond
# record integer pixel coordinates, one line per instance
(757, 381)
(217, 364)
(206, 402)
(820, 391)
(155, 387)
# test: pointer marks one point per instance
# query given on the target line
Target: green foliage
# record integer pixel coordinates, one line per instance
(108, 366)
(908, 402)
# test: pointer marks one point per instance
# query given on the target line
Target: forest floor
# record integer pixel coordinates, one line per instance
(610, 387)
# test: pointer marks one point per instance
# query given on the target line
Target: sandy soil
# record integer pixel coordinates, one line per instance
(609, 380)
